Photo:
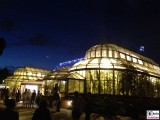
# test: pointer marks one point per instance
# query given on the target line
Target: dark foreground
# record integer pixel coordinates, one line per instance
(27, 113)
(64, 114)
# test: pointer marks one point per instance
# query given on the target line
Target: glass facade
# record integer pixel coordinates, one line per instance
(106, 69)
(26, 76)
(110, 69)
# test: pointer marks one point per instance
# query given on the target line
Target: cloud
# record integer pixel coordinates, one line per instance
(38, 39)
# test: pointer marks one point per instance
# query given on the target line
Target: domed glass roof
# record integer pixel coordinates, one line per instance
(111, 56)
(113, 51)
(27, 73)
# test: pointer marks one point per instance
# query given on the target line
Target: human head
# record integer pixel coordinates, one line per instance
(10, 103)
(76, 93)
(43, 103)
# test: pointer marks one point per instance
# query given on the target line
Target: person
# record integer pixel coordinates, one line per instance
(18, 96)
(38, 98)
(24, 97)
(28, 98)
(33, 97)
(76, 106)
(6, 94)
(42, 113)
(9, 113)
(56, 101)
(88, 105)
(56, 88)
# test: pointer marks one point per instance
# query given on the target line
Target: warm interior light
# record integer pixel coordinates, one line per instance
(38, 74)
(69, 103)
(105, 62)
(32, 87)
(94, 61)
(29, 73)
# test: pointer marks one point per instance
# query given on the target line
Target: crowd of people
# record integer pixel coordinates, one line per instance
(6, 94)
(30, 98)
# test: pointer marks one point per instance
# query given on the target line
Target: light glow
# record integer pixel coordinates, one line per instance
(69, 103)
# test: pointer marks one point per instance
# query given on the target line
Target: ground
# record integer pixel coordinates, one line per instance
(27, 113)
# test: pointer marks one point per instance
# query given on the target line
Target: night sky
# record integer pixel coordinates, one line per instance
(44, 33)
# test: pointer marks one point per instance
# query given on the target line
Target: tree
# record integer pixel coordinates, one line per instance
(128, 80)
(145, 87)
(4, 73)
(2, 45)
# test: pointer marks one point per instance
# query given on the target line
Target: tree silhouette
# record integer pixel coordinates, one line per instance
(4, 73)
(127, 82)
(145, 87)
(2, 45)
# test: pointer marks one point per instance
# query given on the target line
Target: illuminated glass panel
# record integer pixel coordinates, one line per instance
(29, 73)
(105, 63)
(146, 64)
(34, 74)
(117, 77)
(92, 53)
(83, 73)
(62, 86)
(98, 53)
(104, 53)
(110, 53)
(156, 67)
(104, 47)
(93, 63)
(75, 85)
(128, 58)
(92, 66)
(81, 66)
(106, 77)
(140, 62)
(38, 74)
(88, 55)
(115, 54)
(134, 60)
(122, 55)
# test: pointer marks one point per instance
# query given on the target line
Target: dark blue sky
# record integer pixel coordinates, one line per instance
(43, 33)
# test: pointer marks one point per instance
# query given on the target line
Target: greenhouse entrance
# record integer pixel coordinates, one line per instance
(37, 86)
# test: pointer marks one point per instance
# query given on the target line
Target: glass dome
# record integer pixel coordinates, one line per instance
(114, 51)
(111, 56)
(110, 69)
(27, 73)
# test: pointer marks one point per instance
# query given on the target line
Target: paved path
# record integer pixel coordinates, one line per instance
(27, 113)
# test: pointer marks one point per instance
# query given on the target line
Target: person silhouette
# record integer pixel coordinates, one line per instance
(38, 98)
(88, 105)
(57, 101)
(9, 113)
(76, 106)
(18, 96)
(33, 97)
(42, 113)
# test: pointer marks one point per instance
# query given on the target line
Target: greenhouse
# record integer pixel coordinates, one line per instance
(110, 69)
(105, 69)
(65, 79)
(27, 77)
